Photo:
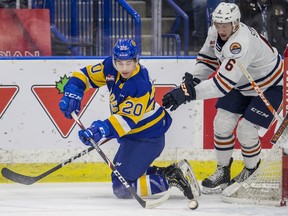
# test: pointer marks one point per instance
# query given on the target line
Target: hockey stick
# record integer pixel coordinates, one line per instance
(284, 122)
(280, 131)
(28, 180)
(260, 93)
(144, 203)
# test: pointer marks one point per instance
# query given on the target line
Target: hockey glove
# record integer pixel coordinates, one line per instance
(96, 131)
(181, 94)
(71, 101)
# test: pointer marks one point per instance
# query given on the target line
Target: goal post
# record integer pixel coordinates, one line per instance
(285, 112)
(268, 185)
(284, 180)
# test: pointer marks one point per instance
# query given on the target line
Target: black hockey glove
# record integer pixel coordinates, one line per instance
(181, 94)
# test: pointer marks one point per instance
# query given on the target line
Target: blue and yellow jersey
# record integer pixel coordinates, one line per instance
(134, 112)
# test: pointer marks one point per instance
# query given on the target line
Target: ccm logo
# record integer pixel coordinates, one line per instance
(259, 112)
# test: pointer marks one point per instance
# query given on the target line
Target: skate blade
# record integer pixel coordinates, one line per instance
(216, 190)
(231, 189)
(190, 176)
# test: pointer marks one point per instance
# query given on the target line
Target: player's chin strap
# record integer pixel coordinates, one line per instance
(280, 137)
(151, 203)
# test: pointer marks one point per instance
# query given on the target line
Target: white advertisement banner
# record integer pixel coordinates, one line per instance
(32, 130)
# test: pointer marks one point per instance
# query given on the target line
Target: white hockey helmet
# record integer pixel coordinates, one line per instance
(226, 13)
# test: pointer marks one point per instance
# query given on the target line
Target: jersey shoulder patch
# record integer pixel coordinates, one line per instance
(235, 48)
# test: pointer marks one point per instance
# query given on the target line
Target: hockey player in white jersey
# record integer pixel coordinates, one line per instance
(228, 44)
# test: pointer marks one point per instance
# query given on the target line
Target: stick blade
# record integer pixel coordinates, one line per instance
(152, 203)
(18, 178)
(281, 135)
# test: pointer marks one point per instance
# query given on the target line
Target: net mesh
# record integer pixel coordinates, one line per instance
(263, 187)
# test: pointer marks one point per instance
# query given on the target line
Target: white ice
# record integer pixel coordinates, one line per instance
(97, 199)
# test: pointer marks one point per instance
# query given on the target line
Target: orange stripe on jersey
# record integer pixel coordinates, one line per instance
(272, 78)
(223, 82)
(207, 61)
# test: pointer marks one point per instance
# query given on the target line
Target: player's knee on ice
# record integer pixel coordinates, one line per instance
(120, 191)
(146, 186)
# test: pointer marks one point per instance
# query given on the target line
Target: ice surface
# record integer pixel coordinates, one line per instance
(97, 199)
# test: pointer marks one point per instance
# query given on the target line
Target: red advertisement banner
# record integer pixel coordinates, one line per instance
(25, 32)
(208, 139)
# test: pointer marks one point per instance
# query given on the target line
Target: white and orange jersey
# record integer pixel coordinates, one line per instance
(246, 47)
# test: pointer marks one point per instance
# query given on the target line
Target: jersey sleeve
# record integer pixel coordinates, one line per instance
(92, 75)
(228, 73)
(224, 80)
(206, 62)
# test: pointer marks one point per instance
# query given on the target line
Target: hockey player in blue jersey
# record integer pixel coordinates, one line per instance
(136, 120)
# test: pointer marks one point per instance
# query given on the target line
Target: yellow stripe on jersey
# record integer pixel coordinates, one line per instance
(152, 92)
(122, 127)
(151, 112)
(151, 106)
(136, 70)
(134, 108)
(129, 108)
(82, 77)
(136, 130)
(118, 123)
(143, 190)
(95, 72)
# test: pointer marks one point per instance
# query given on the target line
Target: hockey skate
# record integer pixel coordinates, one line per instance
(218, 181)
(190, 176)
(176, 176)
(244, 174)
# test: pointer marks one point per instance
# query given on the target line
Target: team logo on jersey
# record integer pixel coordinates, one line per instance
(110, 77)
(212, 43)
(235, 48)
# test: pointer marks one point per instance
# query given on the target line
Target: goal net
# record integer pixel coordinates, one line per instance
(268, 185)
